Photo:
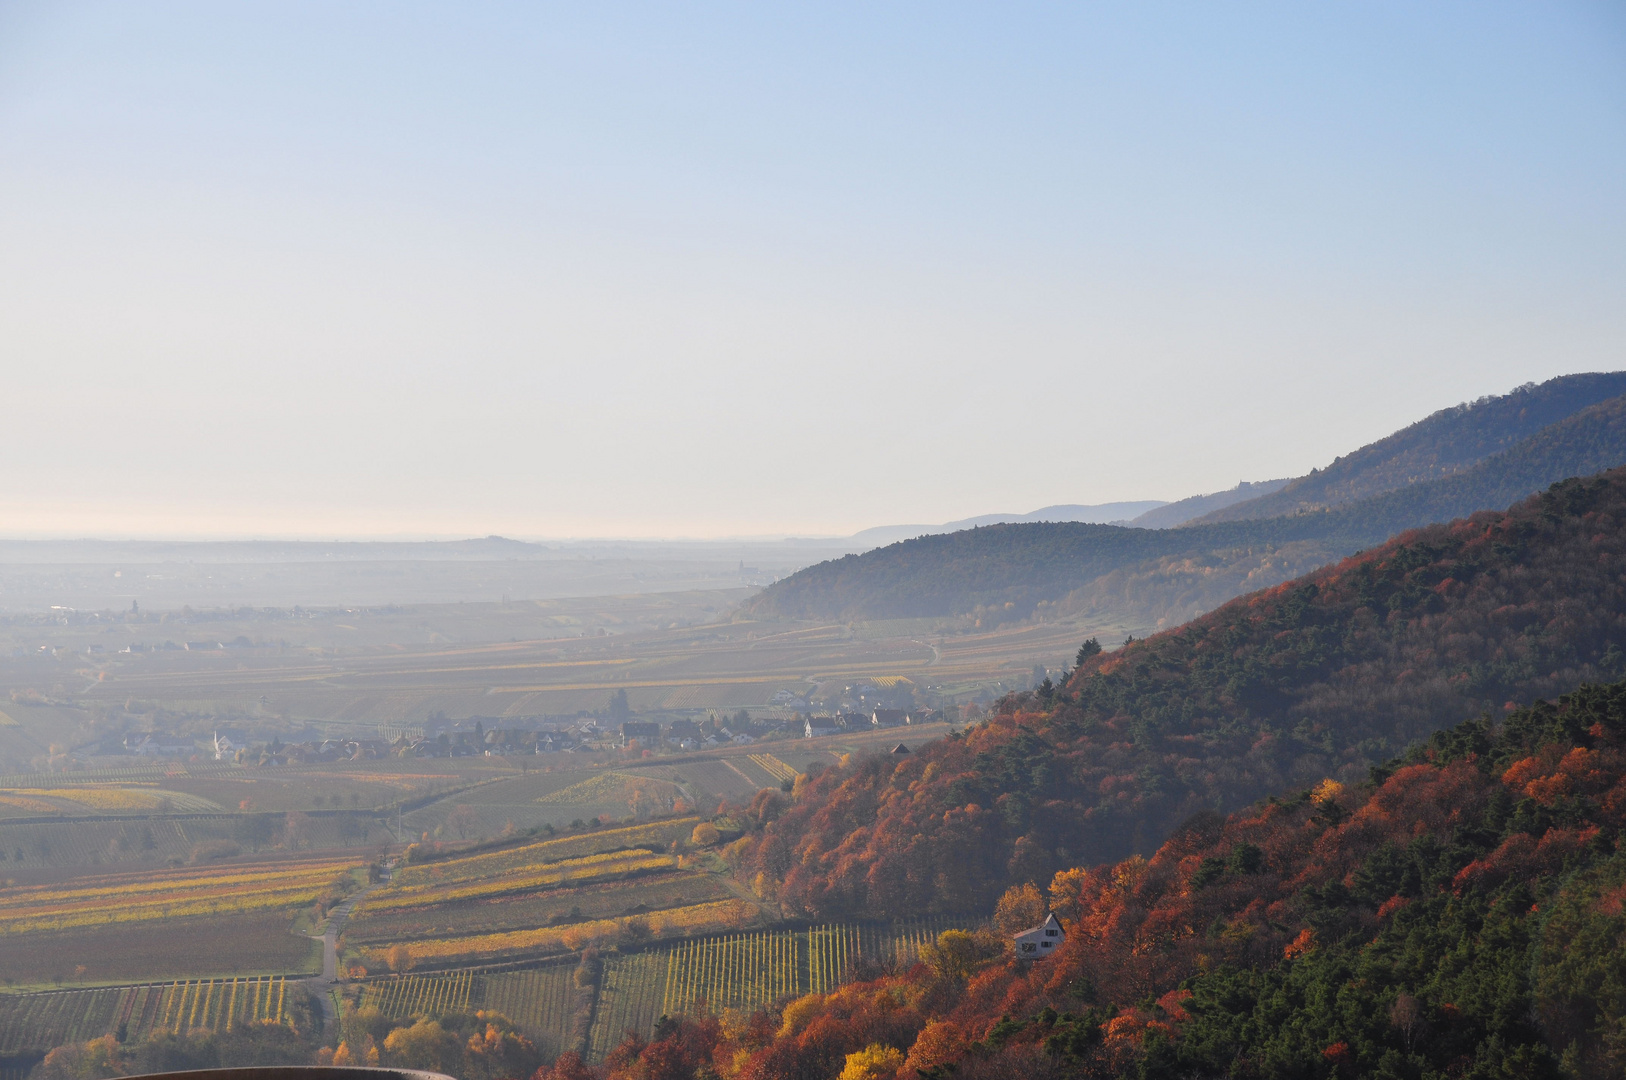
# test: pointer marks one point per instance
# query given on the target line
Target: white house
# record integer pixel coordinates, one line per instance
(224, 748)
(1041, 941)
(815, 726)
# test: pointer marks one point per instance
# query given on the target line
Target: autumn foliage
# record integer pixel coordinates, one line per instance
(1462, 912)
(1316, 679)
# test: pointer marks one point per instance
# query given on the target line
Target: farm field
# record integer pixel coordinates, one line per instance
(229, 919)
(222, 945)
(361, 682)
(217, 787)
(522, 854)
(145, 897)
(36, 848)
(555, 796)
(670, 921)
(606, 900)
(476, 903)
(737, 970)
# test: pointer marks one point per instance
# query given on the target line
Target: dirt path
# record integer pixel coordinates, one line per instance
(321, 985)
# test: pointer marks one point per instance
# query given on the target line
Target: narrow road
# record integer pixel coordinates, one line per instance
(321, 985)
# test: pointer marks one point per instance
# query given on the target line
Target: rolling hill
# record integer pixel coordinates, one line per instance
(1181, 511)
(1009, 569)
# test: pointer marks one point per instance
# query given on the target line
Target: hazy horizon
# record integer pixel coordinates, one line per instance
(350, 271)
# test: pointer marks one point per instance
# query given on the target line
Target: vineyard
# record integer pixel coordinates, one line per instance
(420, 995)
(587, 868)
(125, 898)
(540, 799)
(651, 893)
(513, 899)
(733, 971)
(539, 999)
(102, 799)
(34, 1022)
(774, 767)
(689, 919)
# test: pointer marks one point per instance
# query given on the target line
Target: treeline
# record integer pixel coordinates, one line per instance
(1022, 565)
(1320, 677)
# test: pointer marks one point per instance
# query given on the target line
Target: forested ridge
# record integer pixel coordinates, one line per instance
(1319, 677)
(1024, 564)
(1459, 913)
(1435, 447)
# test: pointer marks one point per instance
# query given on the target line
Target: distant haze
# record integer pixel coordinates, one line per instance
(321, 270)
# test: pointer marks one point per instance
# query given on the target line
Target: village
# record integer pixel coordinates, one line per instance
(471, 738)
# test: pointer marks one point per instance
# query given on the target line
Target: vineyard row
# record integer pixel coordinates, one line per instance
(735, 971)
(33, 1022)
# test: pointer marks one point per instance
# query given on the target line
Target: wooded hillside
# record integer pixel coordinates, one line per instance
(1460, 914)
(1320, 677)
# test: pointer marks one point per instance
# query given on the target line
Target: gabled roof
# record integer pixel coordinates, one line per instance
(1050, 921)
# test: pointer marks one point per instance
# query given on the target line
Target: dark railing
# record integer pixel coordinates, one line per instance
(295, 1072)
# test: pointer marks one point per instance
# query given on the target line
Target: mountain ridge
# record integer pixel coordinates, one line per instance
(1023, 564)
(1441, 444)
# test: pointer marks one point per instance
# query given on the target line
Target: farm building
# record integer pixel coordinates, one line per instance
(1041, 941)
(889, 718)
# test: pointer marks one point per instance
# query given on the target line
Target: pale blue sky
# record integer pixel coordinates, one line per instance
(337, 269)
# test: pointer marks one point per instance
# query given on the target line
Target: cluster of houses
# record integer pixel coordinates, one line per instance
(222, 746)
(459, 740)
(816, 726)
(693, 735)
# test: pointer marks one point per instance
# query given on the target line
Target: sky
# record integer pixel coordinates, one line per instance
(349, 269)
